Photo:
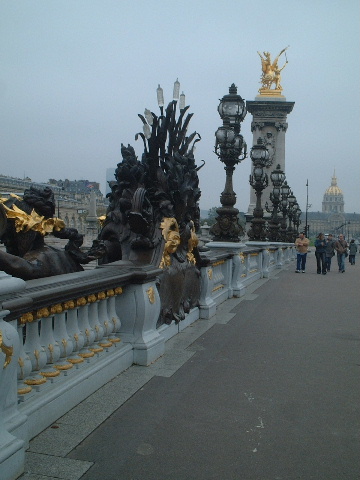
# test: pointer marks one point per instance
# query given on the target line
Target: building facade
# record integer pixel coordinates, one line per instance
(332, 218)
(72, 198)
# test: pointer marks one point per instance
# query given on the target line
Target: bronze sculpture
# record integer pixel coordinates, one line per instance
(154, 212)
(24, 224)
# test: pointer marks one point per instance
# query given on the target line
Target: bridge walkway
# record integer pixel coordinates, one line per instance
(267, 389)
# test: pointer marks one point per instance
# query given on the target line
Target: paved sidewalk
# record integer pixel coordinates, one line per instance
(267, 389)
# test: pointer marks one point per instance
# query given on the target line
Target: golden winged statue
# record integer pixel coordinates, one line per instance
(271, 71)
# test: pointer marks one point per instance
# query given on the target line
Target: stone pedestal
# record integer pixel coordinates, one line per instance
(12, 424)
(237, 287)
(270, 123)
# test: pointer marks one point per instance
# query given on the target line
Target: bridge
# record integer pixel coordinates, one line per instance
(258, 381)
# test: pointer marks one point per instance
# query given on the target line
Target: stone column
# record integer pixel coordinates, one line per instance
(270, 123)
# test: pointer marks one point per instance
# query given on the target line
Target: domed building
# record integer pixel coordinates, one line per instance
(333, 201)
(333, 218)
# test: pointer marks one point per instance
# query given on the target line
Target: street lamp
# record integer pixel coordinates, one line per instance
(258, 180)
(231, 149)
(291, 204)
(285, 190)
(277, 177)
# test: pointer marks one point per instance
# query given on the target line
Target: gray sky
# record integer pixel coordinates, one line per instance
(74, 74)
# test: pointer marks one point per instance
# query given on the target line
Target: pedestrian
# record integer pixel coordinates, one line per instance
(320, 248)
(352, 252)
(329, 251)
(341, 249)
(302, 244)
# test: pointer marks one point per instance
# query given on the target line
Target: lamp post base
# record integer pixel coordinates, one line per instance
(227, 227)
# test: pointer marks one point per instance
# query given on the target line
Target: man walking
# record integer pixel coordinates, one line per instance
(301, 244)
(341, 249)
(329, 251)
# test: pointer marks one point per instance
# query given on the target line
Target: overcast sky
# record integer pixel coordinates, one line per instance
(74, 74)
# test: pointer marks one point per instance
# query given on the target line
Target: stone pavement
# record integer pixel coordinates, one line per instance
(267, 389)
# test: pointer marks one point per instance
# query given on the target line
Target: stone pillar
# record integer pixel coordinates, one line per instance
(270, 123)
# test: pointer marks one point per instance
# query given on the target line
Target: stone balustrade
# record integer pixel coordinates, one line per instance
(63, 337)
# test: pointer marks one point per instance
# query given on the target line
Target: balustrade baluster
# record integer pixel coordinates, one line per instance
(95, 324)
(104, 321)
(24, 363)
(112, 315)
(50, 346)
(62, 337)
(35, 351)
(74, 332)
(85, 328)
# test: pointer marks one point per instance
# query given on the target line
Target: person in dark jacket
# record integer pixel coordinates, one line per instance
(320, 249)
(329, 251)
(352, 252)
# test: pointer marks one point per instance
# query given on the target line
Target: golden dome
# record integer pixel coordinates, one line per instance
(333, 189)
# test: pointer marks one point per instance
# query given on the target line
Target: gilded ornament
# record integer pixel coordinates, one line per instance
(96, 349)
(91, 298)
(210, 274)
(64, 366)
(69, 305)
(220, 262)
(118, 290)
(8, 351)
(35, 380)
(170, 232)
(50, 373)
(101, 296)
(115, 340)
(27, 317)
(54, 309)
(110, 293)
(151, 294)
(42, 313)
(38, 223)
(75, 360)
(86, 354)
(80, 302)
(24, 390)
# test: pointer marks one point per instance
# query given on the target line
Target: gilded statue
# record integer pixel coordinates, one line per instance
(271, 71)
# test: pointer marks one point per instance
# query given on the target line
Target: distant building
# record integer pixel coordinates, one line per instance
(333, 219)
(72, 198)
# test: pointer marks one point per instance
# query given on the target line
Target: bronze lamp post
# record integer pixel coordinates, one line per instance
(285, 191)
(277, 177)
(258, 180)
(231, 149)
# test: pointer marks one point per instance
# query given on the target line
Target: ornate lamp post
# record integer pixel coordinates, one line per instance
(258, 180)
(231, 149)
(297, 221)
(277, 177)
(285, 190)
(291, 204)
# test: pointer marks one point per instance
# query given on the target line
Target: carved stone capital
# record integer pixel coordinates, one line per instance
(257, 126)
(281, 126)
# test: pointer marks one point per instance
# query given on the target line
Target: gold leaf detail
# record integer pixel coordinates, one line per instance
(8, 351)
(151, 294)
